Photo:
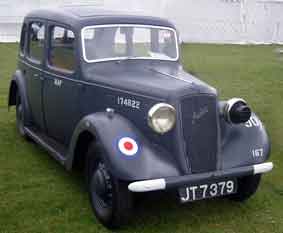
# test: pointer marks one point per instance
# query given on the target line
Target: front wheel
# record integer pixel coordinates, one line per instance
(247, 187)
(110, 199)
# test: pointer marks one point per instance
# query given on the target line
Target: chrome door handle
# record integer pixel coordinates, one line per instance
(35, 75)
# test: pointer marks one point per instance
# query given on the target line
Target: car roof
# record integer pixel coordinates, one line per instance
(81, 16)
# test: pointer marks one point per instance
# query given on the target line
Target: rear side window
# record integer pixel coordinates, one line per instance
(62, 49)
(36, 41)
(23, 39)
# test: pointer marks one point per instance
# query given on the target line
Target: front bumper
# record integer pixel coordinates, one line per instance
(180, 181)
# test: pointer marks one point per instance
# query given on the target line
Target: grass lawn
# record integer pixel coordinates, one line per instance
(38, 195)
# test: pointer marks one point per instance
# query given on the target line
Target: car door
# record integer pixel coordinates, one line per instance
(33, 70)
(61, 88)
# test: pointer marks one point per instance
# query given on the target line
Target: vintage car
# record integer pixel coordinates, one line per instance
(105, 92)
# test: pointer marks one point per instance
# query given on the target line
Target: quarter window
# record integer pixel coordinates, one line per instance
(62, 51)
(36, 41)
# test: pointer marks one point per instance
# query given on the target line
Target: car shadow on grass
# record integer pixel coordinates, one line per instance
(163, 211)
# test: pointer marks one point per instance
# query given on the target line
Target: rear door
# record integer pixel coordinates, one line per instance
(61, 89)
(34, 74)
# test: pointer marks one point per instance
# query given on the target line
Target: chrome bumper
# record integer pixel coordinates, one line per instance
(175, 182)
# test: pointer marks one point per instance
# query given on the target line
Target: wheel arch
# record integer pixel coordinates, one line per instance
(12, 98)
(18, 85)
(85, 138)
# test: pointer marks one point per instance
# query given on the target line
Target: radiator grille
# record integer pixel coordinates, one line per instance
(199, 122)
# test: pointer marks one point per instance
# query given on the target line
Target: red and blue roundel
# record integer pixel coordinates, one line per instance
(128, 146)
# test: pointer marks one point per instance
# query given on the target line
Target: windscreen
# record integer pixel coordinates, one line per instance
(102, 43)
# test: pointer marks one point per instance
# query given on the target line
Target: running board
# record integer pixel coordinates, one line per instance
(48, 144)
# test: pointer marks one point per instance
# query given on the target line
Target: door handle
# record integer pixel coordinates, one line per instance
(38, 76)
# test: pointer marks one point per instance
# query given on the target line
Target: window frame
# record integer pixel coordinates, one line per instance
(128, 25)
(51, 27)
(27, 52)
(23, 39)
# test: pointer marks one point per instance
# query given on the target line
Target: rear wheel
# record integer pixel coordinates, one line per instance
(110, 199)
(247, 187)
(20, 117)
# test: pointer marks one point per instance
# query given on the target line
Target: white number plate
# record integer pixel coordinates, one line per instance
(208, 190)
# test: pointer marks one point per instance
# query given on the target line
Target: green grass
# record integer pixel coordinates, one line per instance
(38, 195)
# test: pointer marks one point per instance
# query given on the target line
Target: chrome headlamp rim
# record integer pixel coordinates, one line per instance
(154, 109)
(230, 103)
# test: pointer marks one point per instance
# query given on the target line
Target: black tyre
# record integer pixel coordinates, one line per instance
(110, 199)
(20, 117)
(247, 187)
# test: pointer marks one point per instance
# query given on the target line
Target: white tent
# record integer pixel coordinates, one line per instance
(205, 21)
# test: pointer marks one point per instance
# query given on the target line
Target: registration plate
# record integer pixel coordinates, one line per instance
(208, 190)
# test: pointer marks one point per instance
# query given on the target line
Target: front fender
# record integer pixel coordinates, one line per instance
(148, 163)
(244, 144)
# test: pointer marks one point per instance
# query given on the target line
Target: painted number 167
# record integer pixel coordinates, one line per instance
(253, 122)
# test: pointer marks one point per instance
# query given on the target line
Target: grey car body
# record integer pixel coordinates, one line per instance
(65, 111)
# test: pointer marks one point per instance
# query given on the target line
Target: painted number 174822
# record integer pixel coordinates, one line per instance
(127, 102)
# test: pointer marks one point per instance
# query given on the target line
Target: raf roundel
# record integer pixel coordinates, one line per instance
(128, 146)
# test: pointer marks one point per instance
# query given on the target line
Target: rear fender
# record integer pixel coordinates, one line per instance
(17, 84)
(244, 144)
(149, 162)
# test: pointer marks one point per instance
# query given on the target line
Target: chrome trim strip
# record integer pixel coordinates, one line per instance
(172, 76)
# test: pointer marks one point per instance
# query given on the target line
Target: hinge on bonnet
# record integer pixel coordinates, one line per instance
(110, 112)
(187, 156)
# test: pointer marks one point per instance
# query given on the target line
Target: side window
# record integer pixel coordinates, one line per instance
(120, 43)
(23, 39)
(167, 43)
(62, 49)
(36, 41)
